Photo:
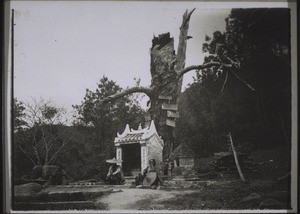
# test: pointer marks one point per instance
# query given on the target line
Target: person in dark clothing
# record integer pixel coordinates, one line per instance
(166, 167)
(115, 174)
(172, 167)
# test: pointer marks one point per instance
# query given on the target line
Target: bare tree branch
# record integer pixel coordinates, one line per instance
(46, 145)
(147, 91)
(199, 67)
(236, 158)
(247, 84)
(188, 16)
(27, 155)
(226, 77)
(181, 49)
(211, 64)
(65, 142)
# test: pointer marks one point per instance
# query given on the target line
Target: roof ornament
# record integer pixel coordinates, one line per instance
(152, 128)
(126, 131)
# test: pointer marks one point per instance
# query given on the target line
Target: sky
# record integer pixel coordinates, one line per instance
(64, 47)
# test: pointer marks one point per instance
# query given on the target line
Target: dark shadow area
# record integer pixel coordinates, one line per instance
(131, 154)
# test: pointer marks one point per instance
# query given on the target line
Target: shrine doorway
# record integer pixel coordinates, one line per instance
(131, 154)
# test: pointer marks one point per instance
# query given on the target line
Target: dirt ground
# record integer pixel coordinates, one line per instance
(232, 195)
(209, 193)
(140, 199)
(227, 193)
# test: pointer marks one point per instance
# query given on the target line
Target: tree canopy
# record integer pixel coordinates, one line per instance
(108, 119)
(252, 100)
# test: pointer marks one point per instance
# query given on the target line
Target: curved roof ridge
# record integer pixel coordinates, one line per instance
(139, 134)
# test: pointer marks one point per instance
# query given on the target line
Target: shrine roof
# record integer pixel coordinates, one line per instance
(130, 135)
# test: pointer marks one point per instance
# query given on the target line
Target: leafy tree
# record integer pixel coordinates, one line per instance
(19, 114)
(260, 40)
(251, 100)
(106, 120)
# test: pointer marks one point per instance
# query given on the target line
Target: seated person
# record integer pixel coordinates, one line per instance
(151, 168)
(115, 174)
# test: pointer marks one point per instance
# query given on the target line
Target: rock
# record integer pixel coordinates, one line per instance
(27, 189)
(59, 178)
(272, 204)
(36, 172)
(49, 170)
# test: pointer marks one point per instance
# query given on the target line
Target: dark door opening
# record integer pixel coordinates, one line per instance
(131, 155)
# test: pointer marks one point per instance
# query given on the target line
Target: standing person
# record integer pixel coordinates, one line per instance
(115, 174)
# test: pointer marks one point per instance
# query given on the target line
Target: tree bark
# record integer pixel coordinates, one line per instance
(145, 90)
(166, 67)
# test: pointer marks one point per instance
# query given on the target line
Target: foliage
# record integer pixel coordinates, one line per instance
(19, 114)
(107, 119)
(218, 101)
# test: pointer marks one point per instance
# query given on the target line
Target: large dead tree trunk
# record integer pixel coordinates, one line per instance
(167, 69)
(166, 66)
(164, 83)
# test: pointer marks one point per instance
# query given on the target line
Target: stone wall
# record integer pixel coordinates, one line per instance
(186, 162)
(155, 150)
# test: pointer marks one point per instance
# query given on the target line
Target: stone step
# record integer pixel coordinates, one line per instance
(70, 205)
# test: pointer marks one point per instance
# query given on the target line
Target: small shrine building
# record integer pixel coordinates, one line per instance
(136, 147)
(183, 156)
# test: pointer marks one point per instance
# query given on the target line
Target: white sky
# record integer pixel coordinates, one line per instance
(64, 47)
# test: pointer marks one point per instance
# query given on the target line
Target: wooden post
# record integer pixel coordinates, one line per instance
(173, 114)
(236, 159)
(166, 106)
(170, 122)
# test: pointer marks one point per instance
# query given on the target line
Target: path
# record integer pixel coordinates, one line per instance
(137, 199)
